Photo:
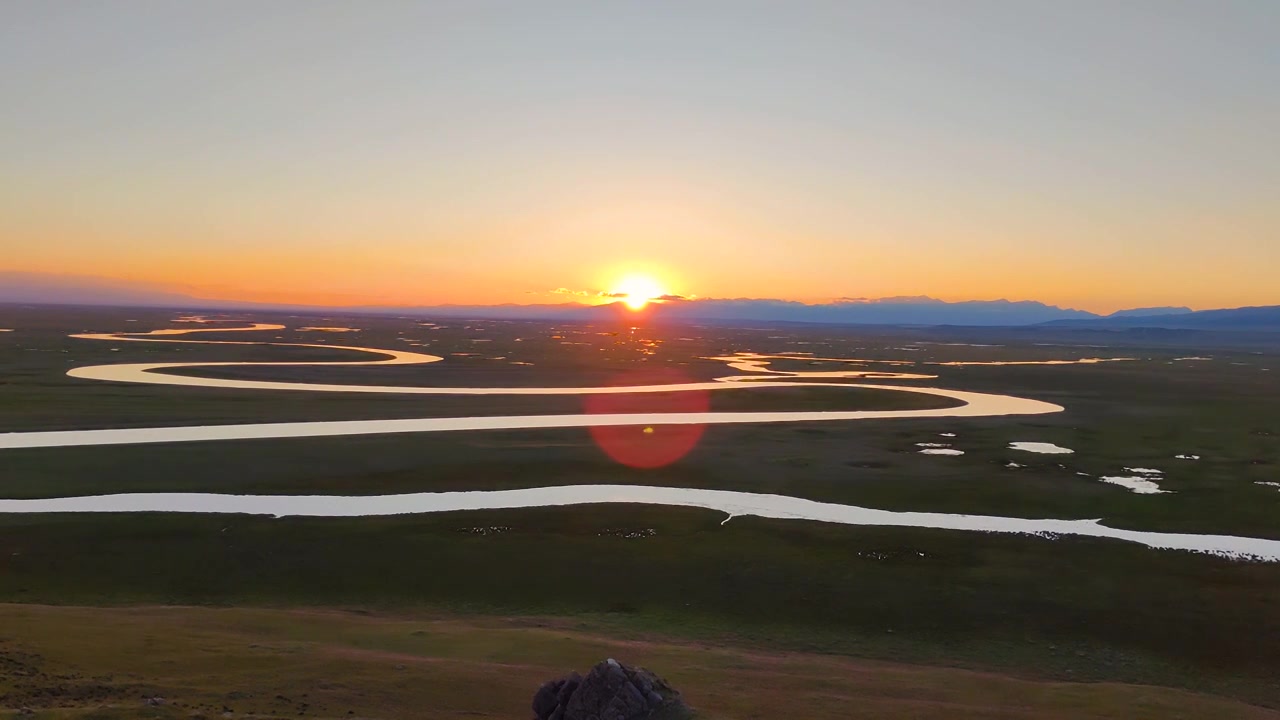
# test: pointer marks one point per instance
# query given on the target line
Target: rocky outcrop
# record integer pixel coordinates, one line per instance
(610, 691)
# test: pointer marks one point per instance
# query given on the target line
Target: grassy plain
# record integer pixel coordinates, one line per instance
(1043, 610)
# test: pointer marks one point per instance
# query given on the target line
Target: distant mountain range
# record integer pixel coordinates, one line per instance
(887, 311)
(1150, 312)
(25, 287)
(1265, 318)
(913, 310)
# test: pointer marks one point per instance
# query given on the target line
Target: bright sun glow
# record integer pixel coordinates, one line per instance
(637, 290)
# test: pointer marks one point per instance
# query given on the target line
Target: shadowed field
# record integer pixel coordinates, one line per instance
(1063, 609)
(76, 662)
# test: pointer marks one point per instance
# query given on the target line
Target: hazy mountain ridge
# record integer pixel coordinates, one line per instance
(886, 311)
(1151, 312)
(19, 287)
(26, 287)
(1265, 317)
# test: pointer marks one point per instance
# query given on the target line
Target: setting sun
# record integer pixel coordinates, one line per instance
(637, 291)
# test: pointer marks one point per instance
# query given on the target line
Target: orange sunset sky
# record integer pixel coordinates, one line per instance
(337, 153)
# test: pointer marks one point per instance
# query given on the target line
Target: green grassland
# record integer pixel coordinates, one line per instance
(1097, 610)
(1064, 609)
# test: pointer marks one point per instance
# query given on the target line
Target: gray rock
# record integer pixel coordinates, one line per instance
(628, 702)
(544, 701)
(571, 683)
(610, 691)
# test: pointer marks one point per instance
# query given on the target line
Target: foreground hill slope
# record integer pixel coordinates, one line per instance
(184, 662)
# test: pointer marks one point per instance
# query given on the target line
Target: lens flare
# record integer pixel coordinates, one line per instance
(648, 446)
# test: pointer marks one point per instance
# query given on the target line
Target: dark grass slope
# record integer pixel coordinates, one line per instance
(1080, 609)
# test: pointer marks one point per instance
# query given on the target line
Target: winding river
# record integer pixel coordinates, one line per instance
(973, 404)
(732, 503)
(727, 501)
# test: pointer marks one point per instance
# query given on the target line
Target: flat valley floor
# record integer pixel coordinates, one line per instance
(463, 614)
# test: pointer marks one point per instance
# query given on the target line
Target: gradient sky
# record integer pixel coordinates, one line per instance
(1090, 154)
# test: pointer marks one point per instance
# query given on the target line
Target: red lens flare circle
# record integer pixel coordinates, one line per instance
(651, 445)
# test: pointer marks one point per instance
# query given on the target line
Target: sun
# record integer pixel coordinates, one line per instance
(637, 291)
